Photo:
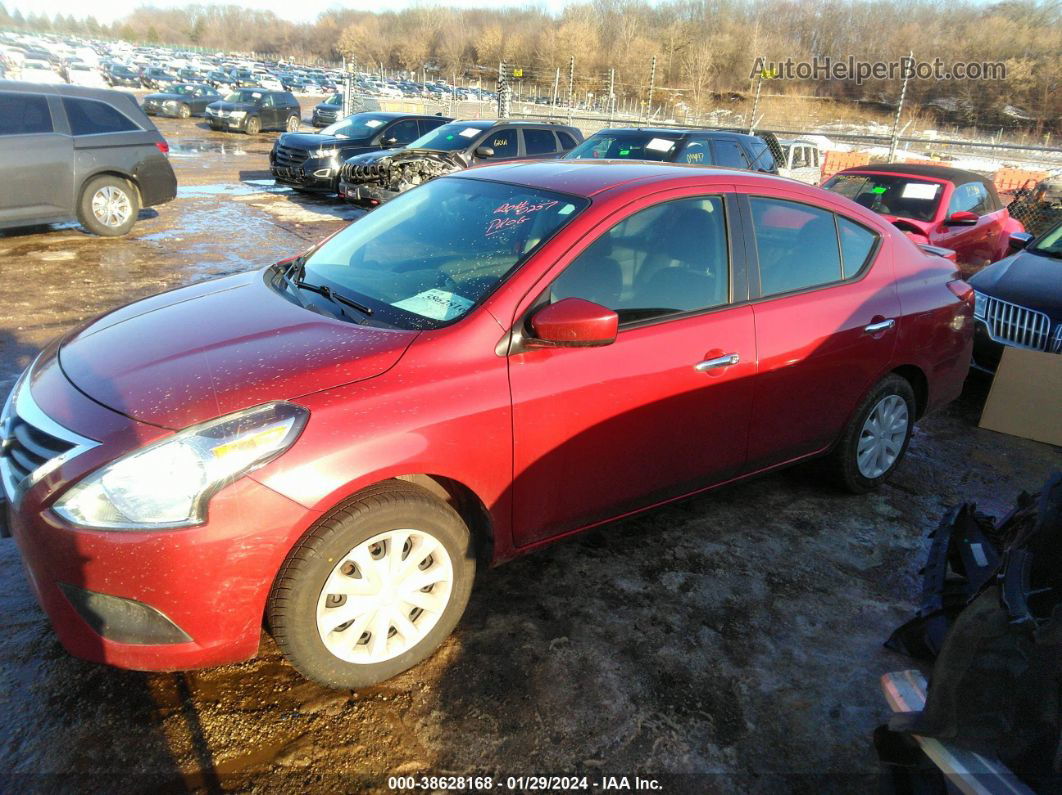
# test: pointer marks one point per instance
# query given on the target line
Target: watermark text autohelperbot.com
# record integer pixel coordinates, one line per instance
(852, 69)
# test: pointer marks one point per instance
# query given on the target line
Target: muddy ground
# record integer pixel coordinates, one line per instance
(733, 642)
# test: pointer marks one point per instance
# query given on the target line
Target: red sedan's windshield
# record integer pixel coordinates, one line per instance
(427, 257)
(890, 194)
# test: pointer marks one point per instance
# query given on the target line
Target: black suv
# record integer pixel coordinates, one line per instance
(251, 110)
(378, 176)
(75, 152)
(311, 161)
(697, 147)
(327, 112)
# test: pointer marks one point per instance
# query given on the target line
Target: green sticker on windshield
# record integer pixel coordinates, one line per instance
(624, 152)
(449, 137)
(879, 189)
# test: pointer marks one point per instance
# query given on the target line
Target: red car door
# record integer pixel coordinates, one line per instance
(662, 411)
(825, 324)
(974, 245)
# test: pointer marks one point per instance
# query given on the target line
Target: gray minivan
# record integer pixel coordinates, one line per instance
(75, 152)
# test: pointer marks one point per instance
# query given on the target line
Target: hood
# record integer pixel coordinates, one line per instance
(311, 141)
(328, 106)
(1026, 279)
(202, 351)
(379, 154)
(231, 106)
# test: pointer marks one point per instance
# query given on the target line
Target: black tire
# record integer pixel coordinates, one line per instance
(293, 602)
(215, 126)
(253, 126)
(118, 186)
(844, 460)
(184, 111)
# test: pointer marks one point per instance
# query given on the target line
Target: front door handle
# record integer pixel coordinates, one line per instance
(720, 361)
(883, 325)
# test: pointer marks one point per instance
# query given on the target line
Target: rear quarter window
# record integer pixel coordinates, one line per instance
(566, 140)
(91, 117)
(24, 114)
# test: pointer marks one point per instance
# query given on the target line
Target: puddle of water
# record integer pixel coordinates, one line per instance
(188, 147)
(245, 188)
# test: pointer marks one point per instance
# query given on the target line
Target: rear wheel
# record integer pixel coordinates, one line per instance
(374, 588)
(293, 123)
(253, 126)
(108, 206)
(876, 438)
(184, 111)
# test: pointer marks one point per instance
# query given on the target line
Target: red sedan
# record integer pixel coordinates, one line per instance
(494, 360)
(941, 206)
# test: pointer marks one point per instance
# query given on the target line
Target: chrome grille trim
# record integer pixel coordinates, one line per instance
(1056, 345)
(32, 444)
(289, 156)
(1012, 324)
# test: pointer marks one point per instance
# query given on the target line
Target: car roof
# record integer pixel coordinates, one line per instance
(63, 89)
(589, 177)
(672, 131)
(956, 175)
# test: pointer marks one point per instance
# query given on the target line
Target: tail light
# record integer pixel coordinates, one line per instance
(163, 147)
(962, 290)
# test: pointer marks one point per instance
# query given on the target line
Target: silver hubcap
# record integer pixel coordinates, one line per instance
(111, 206)
(293, 124)
(882, 437)
(384, 596)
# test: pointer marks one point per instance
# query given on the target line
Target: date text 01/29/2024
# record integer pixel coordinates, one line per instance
(524, 783)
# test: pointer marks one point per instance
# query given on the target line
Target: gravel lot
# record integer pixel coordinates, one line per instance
(731, 643)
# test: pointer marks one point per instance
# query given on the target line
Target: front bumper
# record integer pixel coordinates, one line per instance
(986, 351)
(311, 174)
(112, 596)
(365, 193)
(225, 122)
(323, 120)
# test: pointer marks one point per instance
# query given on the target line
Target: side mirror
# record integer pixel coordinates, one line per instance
(1019, 240)
(484, 151)
(961, 218)
(573, 323)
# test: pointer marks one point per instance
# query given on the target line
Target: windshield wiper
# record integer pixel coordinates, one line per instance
(293, 275)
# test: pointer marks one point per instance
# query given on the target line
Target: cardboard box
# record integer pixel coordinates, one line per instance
(1026, 396)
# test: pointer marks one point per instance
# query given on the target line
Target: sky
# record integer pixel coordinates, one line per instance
(108, 11)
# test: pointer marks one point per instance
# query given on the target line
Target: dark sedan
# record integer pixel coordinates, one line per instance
(311, 161)
(122, 76)
(1018, 300)
(181, 101)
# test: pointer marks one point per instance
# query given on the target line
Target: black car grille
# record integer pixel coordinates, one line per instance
(327, 114)
(27, 449)
(290, 156)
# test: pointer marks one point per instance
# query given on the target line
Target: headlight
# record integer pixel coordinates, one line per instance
(238, 114)
(326, 152)
(168, 484)
(979, 305)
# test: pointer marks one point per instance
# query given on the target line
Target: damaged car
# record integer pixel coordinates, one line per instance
(378, 176)
(332, 445)
(181, 101)
(311, 161)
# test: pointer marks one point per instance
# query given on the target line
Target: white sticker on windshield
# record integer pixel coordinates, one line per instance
(436, 304)
(470, 132)
(919, 190)
(373, 123)
(660, 145)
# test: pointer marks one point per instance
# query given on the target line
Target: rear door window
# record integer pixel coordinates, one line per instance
(427, 125)
(89, 117)
(796, 245)
(694, 151)
(539, 142)
(24, 114)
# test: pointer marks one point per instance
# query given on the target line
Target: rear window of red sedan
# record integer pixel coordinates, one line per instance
(890, 194)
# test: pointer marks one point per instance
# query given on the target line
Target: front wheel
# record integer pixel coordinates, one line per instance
(108, 206)
(876, 438)
(253, 126)
(374, 588)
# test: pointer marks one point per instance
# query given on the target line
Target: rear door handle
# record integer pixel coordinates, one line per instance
(720, 361)
(884, 325)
